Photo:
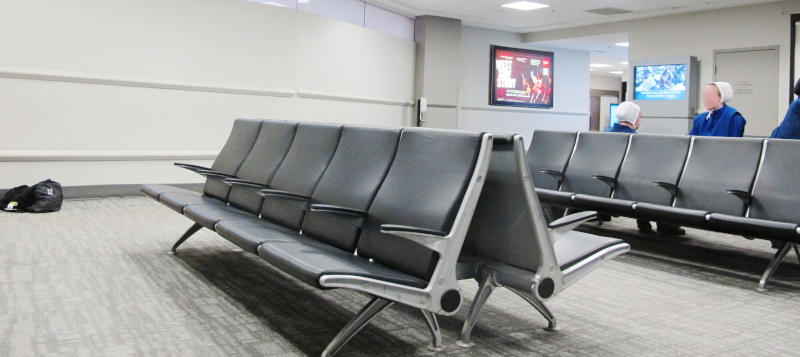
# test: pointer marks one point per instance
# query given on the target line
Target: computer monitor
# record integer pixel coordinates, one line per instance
(612, 117)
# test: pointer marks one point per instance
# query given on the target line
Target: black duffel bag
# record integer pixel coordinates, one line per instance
(45, 196)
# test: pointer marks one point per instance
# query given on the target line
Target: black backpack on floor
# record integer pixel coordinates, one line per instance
(45, 196)
(15, 198)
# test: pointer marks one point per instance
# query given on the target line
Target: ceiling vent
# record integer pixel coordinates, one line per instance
(606, 11)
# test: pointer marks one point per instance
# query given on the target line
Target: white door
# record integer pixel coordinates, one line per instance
(753, 74)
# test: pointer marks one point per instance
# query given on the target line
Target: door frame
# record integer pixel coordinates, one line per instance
(794, 19)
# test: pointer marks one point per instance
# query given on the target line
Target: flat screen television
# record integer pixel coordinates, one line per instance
(659, 82)
(521, 78)
(612, 117)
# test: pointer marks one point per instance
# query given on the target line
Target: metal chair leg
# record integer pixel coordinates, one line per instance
(436, 333)
(487, 285)
(796, 251)
(773, 265)
(539, 306)
(372, 308)
(192, 230)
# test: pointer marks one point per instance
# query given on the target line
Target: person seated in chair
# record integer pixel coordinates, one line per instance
(629, 115)
(790, 127)
(720, 118)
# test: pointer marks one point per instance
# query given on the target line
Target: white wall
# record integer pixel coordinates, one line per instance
(570, 98)
(113, 91)
(601, 82)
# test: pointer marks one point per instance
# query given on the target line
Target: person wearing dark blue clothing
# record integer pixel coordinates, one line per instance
(629, 115)
(790, 127)
(720, 119)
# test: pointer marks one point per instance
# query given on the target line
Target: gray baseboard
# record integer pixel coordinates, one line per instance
(100, 191)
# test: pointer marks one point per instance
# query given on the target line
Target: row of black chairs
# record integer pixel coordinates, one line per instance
(742, 186)
(387, 211)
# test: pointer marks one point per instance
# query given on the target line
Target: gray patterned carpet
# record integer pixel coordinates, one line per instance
(95, 279)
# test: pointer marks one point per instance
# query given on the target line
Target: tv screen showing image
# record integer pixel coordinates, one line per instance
(522, 78)
(612, 118)
(660, 82)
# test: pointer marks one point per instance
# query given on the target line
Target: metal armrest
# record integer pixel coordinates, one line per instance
(192, 167)
(557, 174)
(429, 238)
(671, 187)
(746, 197)
(570, 222)
(337, 210)
(213, 174)
(202, 171)
(283, 194)
(246, 183)
(606, 179)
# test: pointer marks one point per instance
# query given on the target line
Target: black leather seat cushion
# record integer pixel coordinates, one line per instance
(576, 246)
(156, 190)
(178, 200)
(570, 250)
(249, 233)
(554, 197)
(208, 214)
(312, 260)
(668, 214)
(753, 227)
(604, 204)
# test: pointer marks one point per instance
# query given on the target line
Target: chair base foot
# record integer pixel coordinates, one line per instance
(486, 286)
(774, 264)
(372, 308)
(468, 344)
(433, 348)
(552, 328)
(189, 232)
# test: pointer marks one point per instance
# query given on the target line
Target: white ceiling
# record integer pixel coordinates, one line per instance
(560, 14)
(602, 50)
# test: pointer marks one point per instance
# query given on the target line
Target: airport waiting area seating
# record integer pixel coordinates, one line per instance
(740, 186)
(386, 212)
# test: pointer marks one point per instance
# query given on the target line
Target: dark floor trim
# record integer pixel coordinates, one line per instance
(100, 191)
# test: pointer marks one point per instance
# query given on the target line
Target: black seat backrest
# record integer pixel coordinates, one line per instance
(716, 165)
(651, 158)
(261, 163)
(776, 191)
(351, 180)
(423, 188)
(311, 151)
(504, 225)
(549, 150)
(239, 143)
(595, 154)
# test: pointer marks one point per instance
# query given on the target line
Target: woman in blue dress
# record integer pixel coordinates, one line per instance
(720, 118)
(790, 127)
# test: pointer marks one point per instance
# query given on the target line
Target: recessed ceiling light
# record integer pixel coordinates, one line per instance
(525, 5)
(615, 72)
(599, 65)
(623, 44)
(624, 62)
(303, 1)
(265, 2)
